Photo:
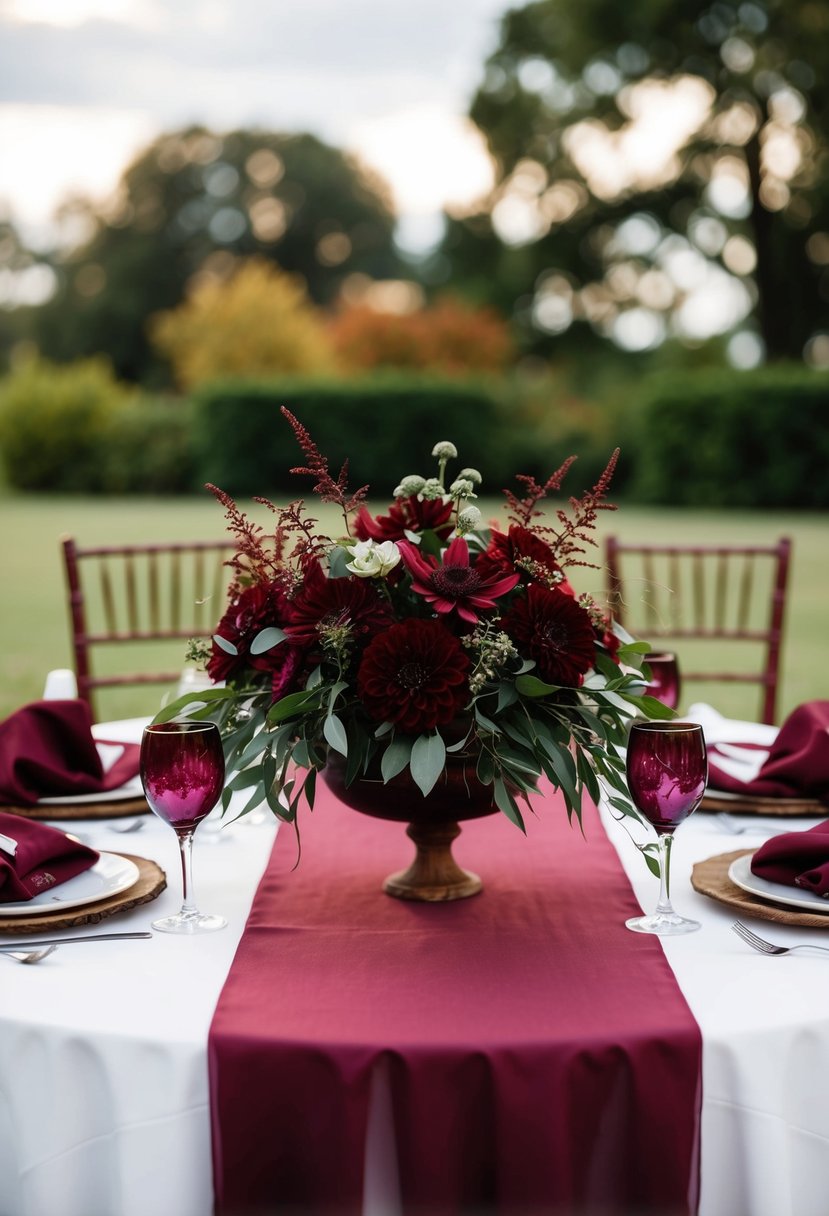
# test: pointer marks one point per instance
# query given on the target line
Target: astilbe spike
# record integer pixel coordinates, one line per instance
(326, 487)
(569, 542)
(523, 510)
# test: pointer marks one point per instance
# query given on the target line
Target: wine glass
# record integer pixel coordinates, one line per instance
(183, 772)
(664, 681)
(667, 768)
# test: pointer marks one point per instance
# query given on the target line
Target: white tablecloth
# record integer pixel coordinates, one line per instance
(103, 1075)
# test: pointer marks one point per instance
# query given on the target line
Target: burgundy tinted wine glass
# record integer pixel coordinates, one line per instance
(183, 772)
(667, 768)
(664, 681)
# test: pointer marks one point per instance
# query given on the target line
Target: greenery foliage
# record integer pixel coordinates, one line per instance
(753, 439)
(596, 234)
(195, 201)
(258, 322)
(241, 446)
(55, 422)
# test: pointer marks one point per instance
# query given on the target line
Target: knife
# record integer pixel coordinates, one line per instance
(59, 941)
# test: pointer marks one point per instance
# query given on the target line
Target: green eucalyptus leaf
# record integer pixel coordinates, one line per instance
(295, 703)
(338, 560)
(506, 803)
(266, 639)
(427, 761)
(205, 697)
(225, 645)
(395, 757)
(531, 686)
(335, 735)
(507, 695)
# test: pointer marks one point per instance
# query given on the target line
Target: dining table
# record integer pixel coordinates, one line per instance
(105, 1092)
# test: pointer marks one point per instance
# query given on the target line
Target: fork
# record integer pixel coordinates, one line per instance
(767, 947)
(29, 956)
(134, 825)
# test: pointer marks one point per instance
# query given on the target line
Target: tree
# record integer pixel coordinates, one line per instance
(196, 201)
(256, 323)
(583, 230)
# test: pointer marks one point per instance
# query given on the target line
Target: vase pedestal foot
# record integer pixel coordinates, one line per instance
(434, 876)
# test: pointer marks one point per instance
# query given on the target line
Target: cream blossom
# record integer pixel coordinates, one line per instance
(373, 559)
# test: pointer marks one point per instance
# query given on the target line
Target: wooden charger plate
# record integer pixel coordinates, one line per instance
(710, 877)
(117, 808)
(150, 883)
(746, 804)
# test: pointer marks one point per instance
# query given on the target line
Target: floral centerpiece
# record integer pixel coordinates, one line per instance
(417, 635)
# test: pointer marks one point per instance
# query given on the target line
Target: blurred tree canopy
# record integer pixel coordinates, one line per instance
(646, 150)
(256, 323)
(196, 201)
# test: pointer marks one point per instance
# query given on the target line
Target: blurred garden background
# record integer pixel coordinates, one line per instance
(549, 229)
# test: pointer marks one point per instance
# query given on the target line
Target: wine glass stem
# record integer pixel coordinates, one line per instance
(664, 906)
(185, 844)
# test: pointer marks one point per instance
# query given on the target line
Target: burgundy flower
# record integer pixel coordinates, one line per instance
(454, 586)
(414, 674)
(286, 670)
(252, 610)
(554, 630)
(408, 514)
(331, 602)
(506, 548)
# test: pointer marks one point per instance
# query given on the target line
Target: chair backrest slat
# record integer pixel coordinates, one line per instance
(138, 594)
(729, 593)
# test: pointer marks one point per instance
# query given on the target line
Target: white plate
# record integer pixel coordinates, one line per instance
(779, 893)
(130, 789)
(110, 875)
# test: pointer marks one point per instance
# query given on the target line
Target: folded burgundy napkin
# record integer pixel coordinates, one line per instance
(43, 858)
(799, 859)
(797, 765)
(47, 751)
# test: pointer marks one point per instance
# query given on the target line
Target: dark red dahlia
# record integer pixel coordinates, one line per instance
(518, 551)
(252, 610)
(454, 585)
(323, 603)
(408, 514)
(554, 630)
(414, 674)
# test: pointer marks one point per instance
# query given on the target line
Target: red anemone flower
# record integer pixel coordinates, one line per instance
(406, 515)
(454, 586)
(506, 548)
(414, 674)
(252, 610)
(554, 630)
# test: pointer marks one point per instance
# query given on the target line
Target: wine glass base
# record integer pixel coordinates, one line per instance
(199, 922)
(664, 924)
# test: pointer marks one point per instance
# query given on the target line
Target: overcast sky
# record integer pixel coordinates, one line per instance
(84, 84)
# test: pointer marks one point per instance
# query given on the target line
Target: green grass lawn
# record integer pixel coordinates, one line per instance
(34, 617)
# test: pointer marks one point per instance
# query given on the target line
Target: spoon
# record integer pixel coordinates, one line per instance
(29, 956)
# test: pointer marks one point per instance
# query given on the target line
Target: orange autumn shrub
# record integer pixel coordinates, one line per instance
(448, 337)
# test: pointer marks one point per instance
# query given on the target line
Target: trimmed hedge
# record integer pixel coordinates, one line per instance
(735, 439)
(384, 426)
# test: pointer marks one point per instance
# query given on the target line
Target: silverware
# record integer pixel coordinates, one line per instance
(735, 828)
(766, 947)
(29, 956)
(60, 941)
(133, 826)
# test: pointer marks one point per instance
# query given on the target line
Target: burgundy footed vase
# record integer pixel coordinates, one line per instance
(434, 875)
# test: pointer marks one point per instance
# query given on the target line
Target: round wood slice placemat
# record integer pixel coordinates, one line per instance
(117, 808)
(710, 877)
(746, 804)
(150, 883)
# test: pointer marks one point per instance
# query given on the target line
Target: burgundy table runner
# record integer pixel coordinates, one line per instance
(541, 1057)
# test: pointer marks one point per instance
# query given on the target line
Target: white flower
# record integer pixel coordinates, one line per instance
(373, 560)
(471, 475)
(445, 450)
(431, 489)
(462, 487)
(468, 520)
(412, 484)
